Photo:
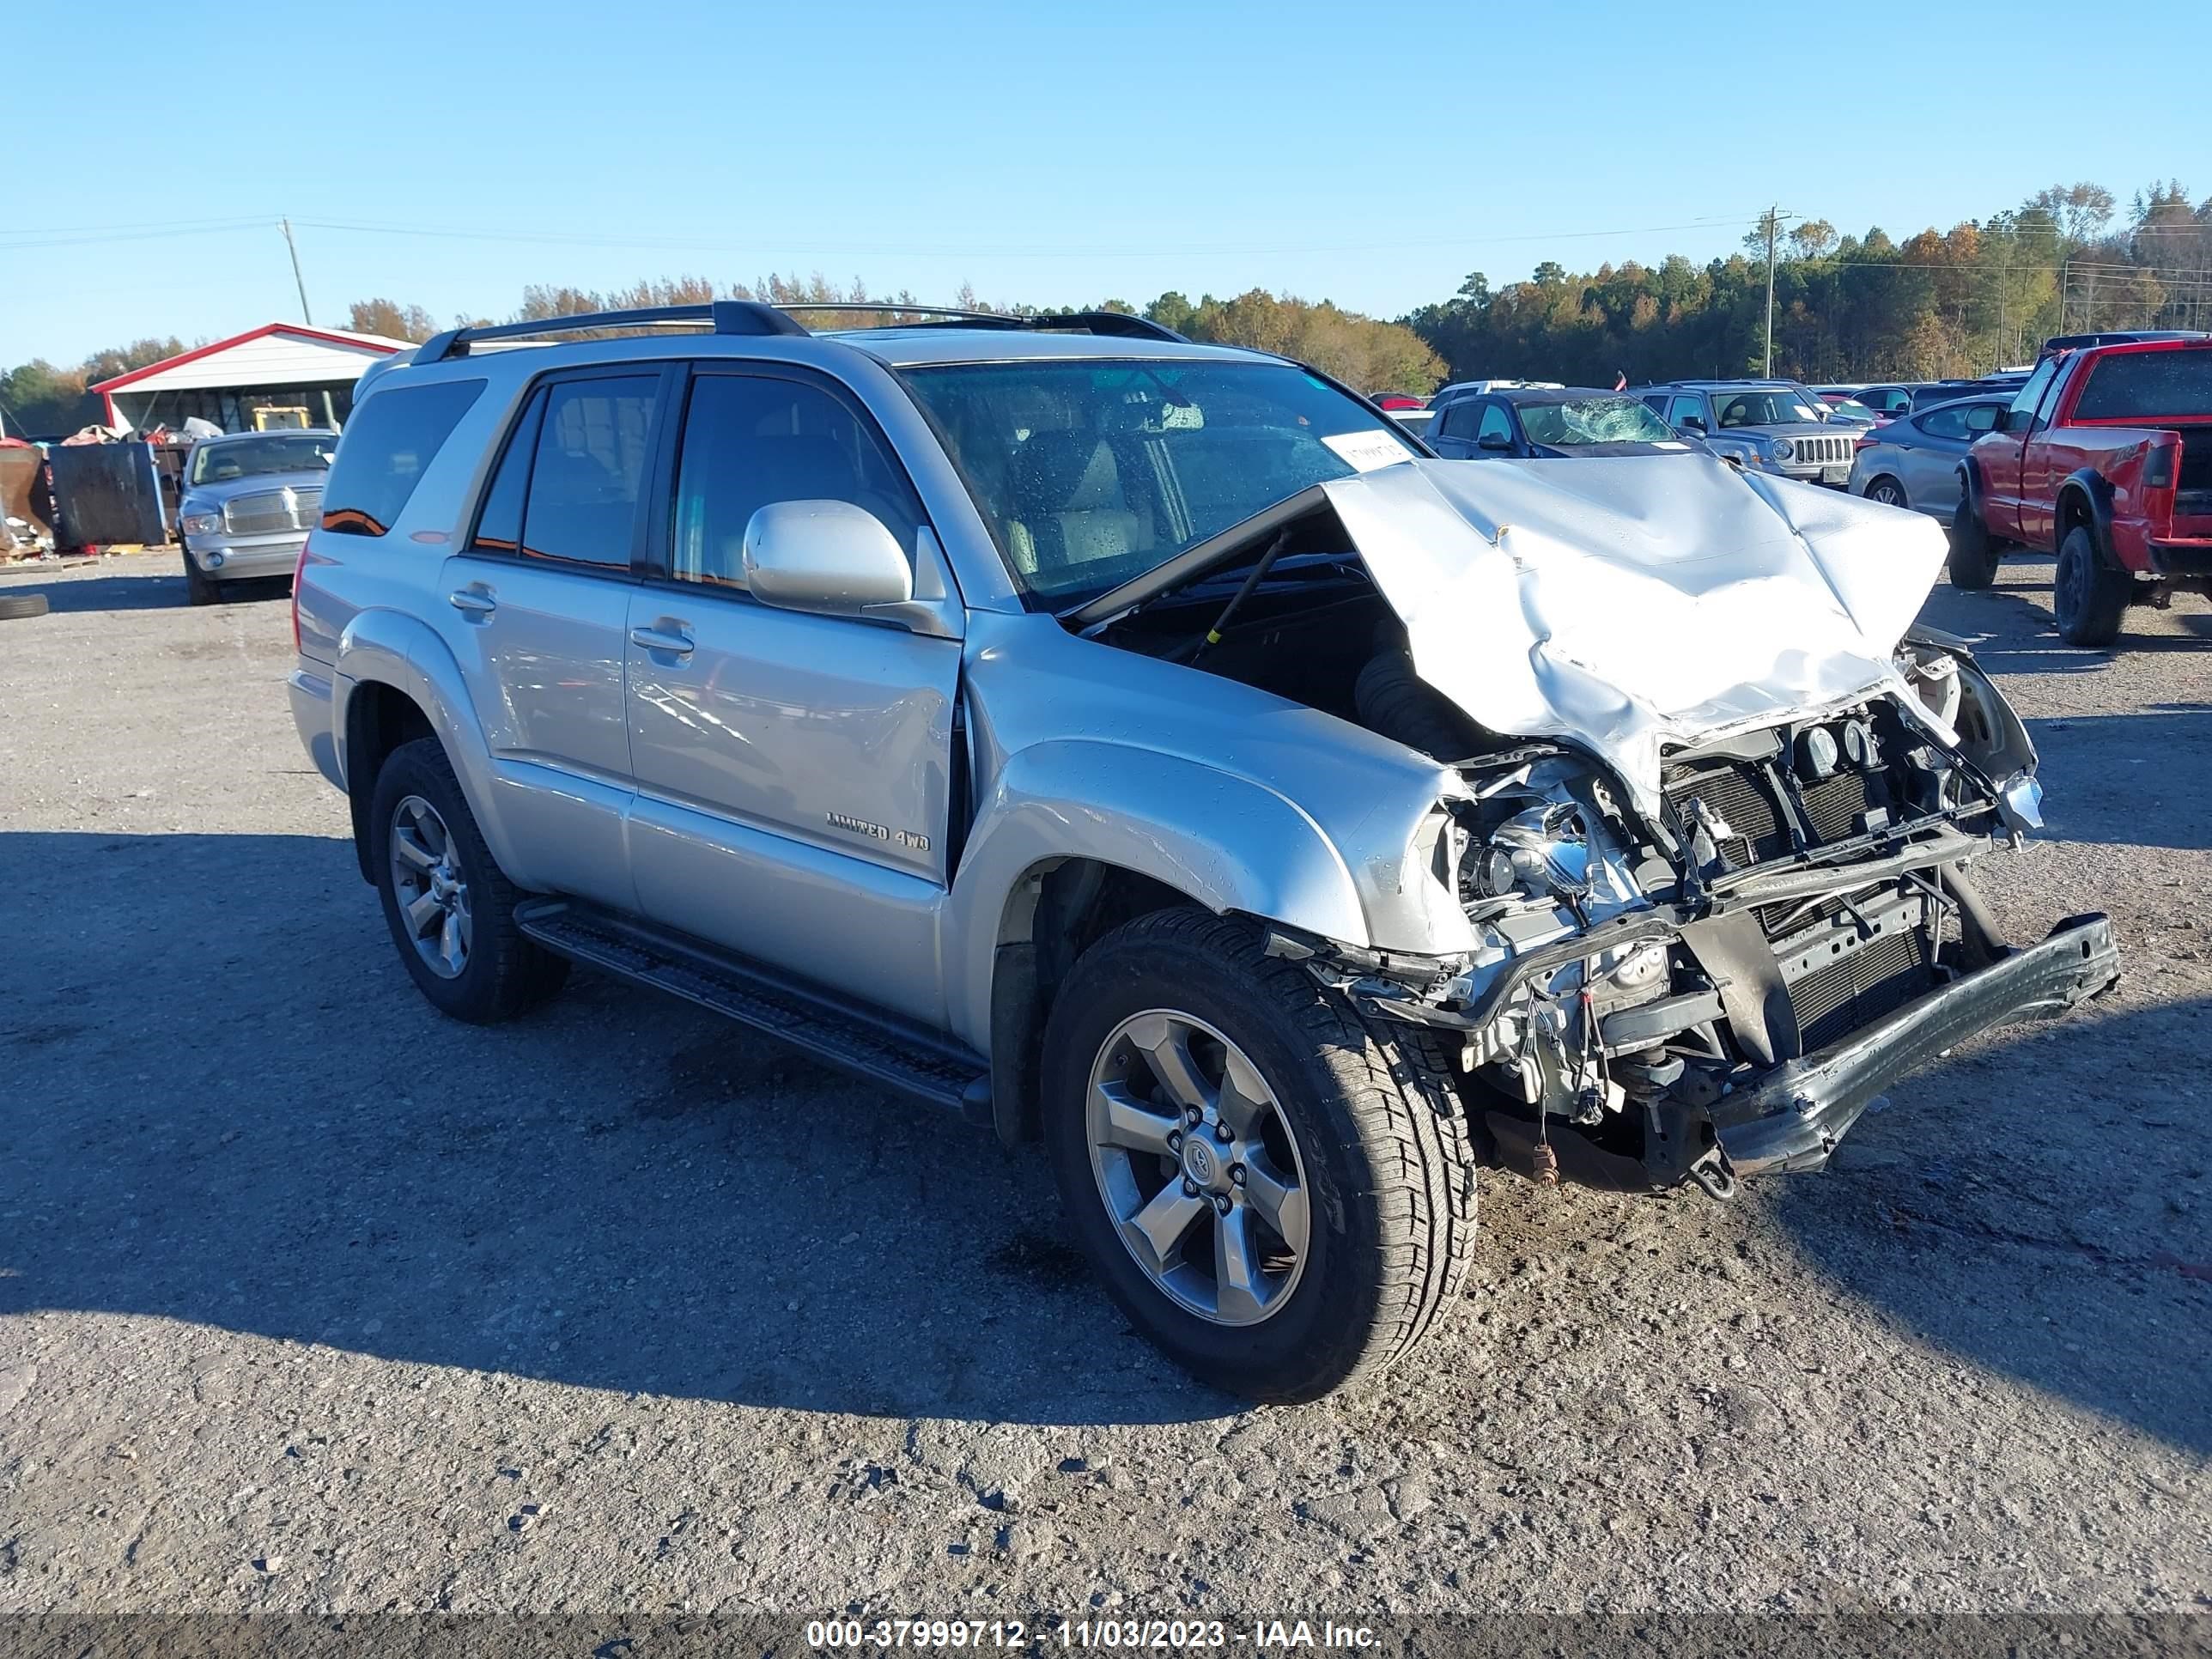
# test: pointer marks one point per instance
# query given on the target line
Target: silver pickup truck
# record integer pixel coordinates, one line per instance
(249, 500)
(1147, 747)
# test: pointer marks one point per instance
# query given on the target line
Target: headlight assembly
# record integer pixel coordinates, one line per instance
(200, 524)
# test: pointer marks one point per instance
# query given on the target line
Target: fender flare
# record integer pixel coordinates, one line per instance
(388, 648)
(1970, 489)
(1159, 816)
(2096, 492)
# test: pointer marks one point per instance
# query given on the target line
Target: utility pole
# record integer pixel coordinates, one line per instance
(1774, 217)
(300, 282)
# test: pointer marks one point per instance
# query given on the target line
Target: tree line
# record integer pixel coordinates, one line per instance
(1366, 352)
(1938, 304)
(1846, 307)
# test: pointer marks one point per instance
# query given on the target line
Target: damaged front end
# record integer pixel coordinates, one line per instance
(1720, 987)
(1715, 793)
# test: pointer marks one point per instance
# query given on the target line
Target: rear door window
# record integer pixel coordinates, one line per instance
(499, 526)
(588, 470)
(1948, 421)
(1459, 419)
(388, 446)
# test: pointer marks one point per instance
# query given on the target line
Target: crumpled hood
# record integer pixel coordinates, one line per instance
(1634, 604)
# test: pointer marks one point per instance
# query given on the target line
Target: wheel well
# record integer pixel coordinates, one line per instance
(2074, 508)
(1055, 913)
(378, 719)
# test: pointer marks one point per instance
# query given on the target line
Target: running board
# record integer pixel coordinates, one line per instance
(896, 1054)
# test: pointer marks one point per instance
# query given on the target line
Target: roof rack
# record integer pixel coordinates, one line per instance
(1119, 324)
(756, 317)
(723, 317)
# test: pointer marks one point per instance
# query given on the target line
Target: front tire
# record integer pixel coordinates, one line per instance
(449, 906)
(2089, 596)
(1278, 1194)
(1974, 554)
(199, 587)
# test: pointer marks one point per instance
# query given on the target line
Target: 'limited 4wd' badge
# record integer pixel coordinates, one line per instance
(852, 825)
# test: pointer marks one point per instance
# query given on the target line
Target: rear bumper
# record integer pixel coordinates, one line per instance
(2189, 558)
(1792, 1117)
(310, 689)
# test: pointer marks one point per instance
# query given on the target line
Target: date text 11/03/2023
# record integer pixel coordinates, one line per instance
(1143, 1635)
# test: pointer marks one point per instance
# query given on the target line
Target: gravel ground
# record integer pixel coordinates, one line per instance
(312, 1301)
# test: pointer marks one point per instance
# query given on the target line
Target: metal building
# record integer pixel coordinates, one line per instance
(280, 375)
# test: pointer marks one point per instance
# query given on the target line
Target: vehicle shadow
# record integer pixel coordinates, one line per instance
(2042, 1208)
(2144, 760)
(163, 591)
(260, 1126)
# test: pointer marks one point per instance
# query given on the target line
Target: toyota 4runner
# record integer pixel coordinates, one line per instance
(1147, 747)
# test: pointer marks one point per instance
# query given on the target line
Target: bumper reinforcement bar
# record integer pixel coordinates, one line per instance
(1791, 1119)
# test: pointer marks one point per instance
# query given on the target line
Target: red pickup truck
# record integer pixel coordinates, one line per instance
(2106, 458)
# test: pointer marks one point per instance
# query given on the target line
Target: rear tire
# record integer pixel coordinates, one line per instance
(1974, 555)
(2089, 596)
(497, 973)
(1364, 1112)
(199, 587)
(1887, 490)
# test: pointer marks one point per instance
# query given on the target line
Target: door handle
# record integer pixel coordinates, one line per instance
(673, 640)
(474, 600)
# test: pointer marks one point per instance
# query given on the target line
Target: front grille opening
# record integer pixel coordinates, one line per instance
(1857, 988)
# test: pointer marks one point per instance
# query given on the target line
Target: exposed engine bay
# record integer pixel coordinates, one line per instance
(1686, 972)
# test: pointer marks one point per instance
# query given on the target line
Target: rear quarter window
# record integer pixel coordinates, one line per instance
(388, 445)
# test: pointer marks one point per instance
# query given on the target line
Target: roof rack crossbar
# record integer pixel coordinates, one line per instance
(1119, 324)
(757, 317)
(721, 317)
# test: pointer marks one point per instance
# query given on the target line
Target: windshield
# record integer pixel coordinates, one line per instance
(1091, 473)
(1593, 421)
(250, 458)
(1761, 408)
(1850, 409)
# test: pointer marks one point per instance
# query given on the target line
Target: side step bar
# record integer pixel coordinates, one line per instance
(896, 1054)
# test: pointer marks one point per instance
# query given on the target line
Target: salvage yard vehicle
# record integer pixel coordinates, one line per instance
(1144, 746)
(1913, 461)
(1770, 426)
(1551, 422)
(249, 501)
(2104, 457)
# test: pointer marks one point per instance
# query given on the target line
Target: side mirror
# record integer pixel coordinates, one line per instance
(1493, 441)
(831, 558)
(2003, 422)
(1692, 427)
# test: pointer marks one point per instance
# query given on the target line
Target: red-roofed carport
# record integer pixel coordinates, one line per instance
(277, 367)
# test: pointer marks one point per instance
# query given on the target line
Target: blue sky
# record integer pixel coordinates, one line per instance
(1372, 155)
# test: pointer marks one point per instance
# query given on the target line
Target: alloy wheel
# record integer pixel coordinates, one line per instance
(1198, 1167)
(428, 883)
(1887, 493)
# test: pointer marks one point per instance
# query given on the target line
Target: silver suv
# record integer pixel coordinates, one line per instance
(1146, 746)
(1771, 426)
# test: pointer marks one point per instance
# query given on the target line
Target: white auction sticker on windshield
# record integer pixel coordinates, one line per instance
(1668, 444)
(1363, 451)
